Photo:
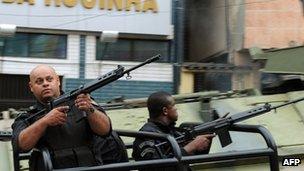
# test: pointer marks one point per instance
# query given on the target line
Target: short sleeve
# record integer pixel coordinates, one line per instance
(98, 107)
(19, 124)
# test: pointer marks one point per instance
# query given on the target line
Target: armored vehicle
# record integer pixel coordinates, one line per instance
(264, 142)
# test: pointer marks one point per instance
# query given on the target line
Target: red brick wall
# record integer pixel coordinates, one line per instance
(273, 23)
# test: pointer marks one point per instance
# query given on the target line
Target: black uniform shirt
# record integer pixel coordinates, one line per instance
(144, 149)
(70, 144)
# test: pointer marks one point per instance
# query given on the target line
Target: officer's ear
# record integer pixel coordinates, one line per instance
(58, 80)
(165, 111)
(30, 86)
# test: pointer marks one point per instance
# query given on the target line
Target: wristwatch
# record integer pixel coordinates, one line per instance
(91, 110)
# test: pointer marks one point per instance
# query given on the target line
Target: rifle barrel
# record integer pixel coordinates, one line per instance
(288, 103)
(152, 59)
(251, 113)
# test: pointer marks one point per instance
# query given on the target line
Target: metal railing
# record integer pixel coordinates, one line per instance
(177, 160)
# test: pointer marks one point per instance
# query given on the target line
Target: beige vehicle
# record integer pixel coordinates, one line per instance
(248, 150)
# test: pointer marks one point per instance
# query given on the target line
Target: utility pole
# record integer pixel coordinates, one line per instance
(179, 24)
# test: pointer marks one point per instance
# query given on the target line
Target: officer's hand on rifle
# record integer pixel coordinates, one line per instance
(200, 143)
(84, 103)
(57, 116)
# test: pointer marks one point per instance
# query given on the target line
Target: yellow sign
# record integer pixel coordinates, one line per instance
(120, 5)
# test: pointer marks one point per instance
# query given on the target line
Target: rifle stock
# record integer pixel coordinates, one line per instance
(91, 86)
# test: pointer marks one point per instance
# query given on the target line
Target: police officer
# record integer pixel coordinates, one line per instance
(66, 131)
(162, 118)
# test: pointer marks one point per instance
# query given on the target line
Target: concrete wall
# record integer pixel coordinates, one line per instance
(205, 28)
(267, 24)
(274, 24)
(246, 79)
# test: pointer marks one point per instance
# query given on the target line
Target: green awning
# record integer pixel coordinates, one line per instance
(285, 61)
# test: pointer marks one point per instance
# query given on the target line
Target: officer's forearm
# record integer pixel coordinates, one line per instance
(29, 137)
(99, 122)
(189, 149)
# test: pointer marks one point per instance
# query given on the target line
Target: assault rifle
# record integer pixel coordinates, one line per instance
(91, 86)
(221, 125)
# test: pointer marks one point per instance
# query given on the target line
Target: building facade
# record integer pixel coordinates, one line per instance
(67, 34)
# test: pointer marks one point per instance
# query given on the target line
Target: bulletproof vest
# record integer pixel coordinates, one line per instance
(151, 153)
(70, 145)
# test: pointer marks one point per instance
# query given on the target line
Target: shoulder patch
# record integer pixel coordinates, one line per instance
(147, 153)
(149, 143)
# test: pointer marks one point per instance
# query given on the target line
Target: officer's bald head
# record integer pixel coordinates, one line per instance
(39, 69)
(44, 83)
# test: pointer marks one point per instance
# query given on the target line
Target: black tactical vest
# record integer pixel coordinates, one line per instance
(74, 144)
(70, 145)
